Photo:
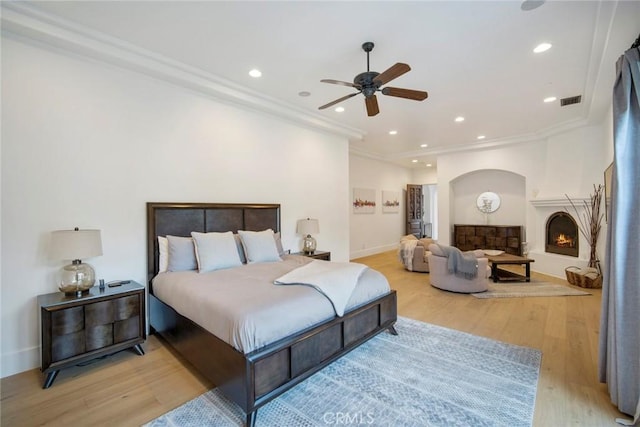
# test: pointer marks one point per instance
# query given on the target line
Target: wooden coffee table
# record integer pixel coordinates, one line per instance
(499, 275)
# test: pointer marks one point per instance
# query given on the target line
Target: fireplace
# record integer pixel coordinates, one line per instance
(562, 234)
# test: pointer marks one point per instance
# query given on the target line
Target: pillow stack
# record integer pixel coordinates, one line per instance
(214, 251)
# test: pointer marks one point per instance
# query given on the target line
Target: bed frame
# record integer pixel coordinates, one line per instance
(251, 380)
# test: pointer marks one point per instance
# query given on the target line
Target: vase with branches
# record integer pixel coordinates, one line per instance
(590, 222)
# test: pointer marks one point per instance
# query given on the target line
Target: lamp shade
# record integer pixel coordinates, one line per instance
(308, 226)
(76, 244)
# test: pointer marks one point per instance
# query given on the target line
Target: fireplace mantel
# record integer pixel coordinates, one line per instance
(559, 202)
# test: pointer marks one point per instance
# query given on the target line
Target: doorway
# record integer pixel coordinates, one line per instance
(422, 208)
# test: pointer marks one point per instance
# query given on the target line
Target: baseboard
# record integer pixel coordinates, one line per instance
(20, 361)
(372, 251)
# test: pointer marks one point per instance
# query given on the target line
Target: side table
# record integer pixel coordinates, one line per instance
(316, 255)
(100, 322)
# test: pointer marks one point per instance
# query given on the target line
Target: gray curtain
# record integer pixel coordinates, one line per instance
(619, 356)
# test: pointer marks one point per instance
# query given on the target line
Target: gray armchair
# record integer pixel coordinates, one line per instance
(442, 279)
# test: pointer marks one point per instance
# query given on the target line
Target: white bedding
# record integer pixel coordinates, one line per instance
(243, 307)
(335, 280)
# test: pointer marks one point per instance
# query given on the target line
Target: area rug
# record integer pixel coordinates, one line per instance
(427, 375)
(531, 289)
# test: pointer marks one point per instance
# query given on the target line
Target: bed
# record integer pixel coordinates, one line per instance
(252, 378)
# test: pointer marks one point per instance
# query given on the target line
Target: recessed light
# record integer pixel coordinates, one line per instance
(429, 165)
(481, 137)
(255, 73)
(393, 132)
(550, 99)
(414, 161)
(459, 119)
(304, 93)
(424, 145)
(542, 47)
(339, 109)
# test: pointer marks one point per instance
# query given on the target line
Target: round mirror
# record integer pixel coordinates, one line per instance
(488, 202)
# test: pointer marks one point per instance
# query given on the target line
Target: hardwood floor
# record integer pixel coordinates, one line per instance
(129, 390)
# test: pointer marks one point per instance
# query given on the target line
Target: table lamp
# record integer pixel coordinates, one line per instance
(307, 227)
(74, 245)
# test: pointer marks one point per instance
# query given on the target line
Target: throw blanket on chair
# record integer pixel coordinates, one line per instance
(335, 280)
(463, 265)
(405, 252)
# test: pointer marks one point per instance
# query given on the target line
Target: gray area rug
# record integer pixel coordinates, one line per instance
(426, 376)
(531, 289)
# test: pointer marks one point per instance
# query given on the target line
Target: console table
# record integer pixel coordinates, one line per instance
(507, 238)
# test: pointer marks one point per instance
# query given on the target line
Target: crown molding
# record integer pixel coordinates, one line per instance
(560, 202)
(31, 24)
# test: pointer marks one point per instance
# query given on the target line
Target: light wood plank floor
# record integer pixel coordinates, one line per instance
(129, 390)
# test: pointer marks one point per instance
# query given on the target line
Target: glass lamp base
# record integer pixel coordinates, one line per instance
(76, 278)
(308, 244)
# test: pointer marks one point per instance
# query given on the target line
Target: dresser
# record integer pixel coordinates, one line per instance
(75, 330)
(507, 238)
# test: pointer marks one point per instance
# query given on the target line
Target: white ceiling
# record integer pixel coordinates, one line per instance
(474, 58)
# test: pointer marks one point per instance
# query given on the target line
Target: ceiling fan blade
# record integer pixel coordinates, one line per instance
(341, 83)
(372, 105)
(338, 101)
(416, 95)
(391, 73)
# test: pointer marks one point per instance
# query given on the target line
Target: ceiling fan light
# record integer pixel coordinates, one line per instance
(528, 5)
(339, 109)
(255, 73)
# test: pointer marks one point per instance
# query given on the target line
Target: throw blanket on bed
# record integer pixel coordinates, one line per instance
(405, 252)
(335, 280)
(463, 265)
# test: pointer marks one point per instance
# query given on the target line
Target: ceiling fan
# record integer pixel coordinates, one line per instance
(369, 82)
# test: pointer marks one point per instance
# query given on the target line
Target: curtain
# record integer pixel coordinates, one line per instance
(619, 346)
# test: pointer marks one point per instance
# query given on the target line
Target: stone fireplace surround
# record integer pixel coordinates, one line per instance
(550, 263)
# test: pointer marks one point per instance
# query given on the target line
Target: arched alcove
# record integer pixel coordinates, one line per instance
(509, 186)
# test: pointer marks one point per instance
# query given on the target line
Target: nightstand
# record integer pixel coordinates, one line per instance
(100, 322)
(316, 255)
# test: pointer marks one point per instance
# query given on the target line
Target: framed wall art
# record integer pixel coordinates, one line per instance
(364, 200)
(390, 201)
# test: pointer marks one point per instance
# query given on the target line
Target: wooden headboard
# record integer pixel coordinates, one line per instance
(180, 219)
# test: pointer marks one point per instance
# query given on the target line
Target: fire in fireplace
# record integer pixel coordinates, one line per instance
(562, 234)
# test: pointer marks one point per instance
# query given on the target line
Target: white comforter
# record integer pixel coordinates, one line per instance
(335, 280)
(243, 307)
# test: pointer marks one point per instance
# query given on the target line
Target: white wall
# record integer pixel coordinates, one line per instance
(87, 144)
(376, 232)
(510, 187)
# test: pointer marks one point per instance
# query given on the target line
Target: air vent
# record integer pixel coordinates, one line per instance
(570, 100)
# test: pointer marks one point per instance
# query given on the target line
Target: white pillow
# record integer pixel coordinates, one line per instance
(182, 256)
(259, 246)
(215, 251)
(163, 258)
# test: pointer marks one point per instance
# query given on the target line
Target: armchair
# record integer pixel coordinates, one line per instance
(414, 253)
(440, 277)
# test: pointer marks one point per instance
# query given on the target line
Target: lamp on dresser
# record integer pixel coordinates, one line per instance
(308, 227)
(75, 245)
